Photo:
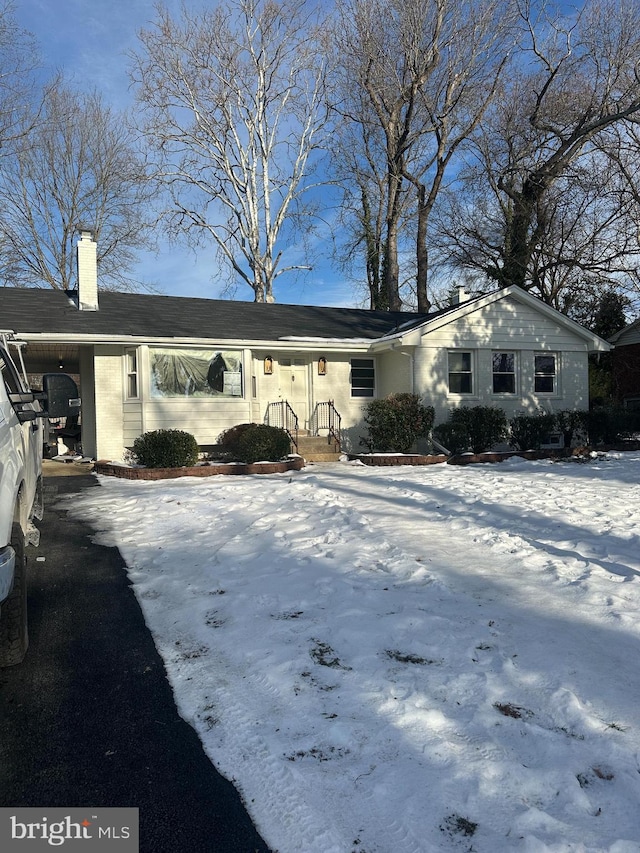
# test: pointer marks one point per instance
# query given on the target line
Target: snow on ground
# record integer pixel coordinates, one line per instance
(390, 660)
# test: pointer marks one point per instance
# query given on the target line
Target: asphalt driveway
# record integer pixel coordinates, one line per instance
(88, 719)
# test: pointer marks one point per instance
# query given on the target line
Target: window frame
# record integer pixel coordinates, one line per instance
(363, 391)
(542, 375)
(195, 376)
(504, 373)
(131, 355)
(461, 373)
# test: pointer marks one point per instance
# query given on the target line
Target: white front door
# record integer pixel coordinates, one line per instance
(294, 387)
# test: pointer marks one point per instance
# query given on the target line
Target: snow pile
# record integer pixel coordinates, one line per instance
(403, 659)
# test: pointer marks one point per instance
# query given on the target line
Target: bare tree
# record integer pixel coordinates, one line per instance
(18, 62)
(428, 71)
(359, 165)
(389, 48)
(76, 165)
(473, 55)
(548, 204)
(586, 229)
(233, 106)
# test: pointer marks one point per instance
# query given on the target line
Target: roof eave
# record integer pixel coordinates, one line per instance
(284, 343)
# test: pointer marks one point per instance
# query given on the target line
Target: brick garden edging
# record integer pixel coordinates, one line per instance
(475, 458)
(396, 459)
(125, 473)
(460, 459)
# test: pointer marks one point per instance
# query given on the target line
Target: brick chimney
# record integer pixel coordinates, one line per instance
(87, 271)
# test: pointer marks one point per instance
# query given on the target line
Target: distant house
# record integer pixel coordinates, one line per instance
(626, 365)
(148, 362)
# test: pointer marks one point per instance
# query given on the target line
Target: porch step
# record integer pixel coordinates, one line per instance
(317, 448)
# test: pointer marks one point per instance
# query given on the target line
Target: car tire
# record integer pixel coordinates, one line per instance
(14, 636)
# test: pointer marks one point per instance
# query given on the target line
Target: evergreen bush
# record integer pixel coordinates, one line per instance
(528, 432)
(165, 448)
(476, 428)
(609, 425)
(262, 443)
(228, 440)
(573, 425)
(396, 422)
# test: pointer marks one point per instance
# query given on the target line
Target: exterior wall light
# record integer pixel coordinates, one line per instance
(268, 365)
(322, 366)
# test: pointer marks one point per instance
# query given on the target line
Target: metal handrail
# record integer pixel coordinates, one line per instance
(326, 416)
(280, 414)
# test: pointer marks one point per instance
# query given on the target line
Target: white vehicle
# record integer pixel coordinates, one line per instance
(23, 424)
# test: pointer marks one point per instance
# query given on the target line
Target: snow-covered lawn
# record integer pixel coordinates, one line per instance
(403, 659)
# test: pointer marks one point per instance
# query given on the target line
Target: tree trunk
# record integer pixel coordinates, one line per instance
(377, 295)
(519, 239)
(392, 269)
(391, 265)
(422, 252)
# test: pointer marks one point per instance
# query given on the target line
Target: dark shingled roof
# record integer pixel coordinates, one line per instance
(32, 311)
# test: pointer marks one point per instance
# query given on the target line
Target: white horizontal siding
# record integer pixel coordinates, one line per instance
(205, 419)
(506, 324)
(629, 336)
(394, 373)
(503, 326)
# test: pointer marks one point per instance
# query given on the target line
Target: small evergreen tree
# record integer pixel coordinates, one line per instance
(395, 423)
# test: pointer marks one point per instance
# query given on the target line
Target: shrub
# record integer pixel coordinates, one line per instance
(396, 422)
(528, 432)
(166, 448)
(606, 426)
(228, 440)
(476, 428)
(573, 425)
(452, 436)
(262, 443)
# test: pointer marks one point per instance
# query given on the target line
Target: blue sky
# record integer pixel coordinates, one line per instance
(88, 40)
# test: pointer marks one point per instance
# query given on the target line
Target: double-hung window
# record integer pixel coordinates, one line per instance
(460, 372)
(503, 366)
(131, 368)
(545, 377)
(363, 377)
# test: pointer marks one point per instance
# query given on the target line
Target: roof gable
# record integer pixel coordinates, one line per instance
(515, 293)
(628, 335)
